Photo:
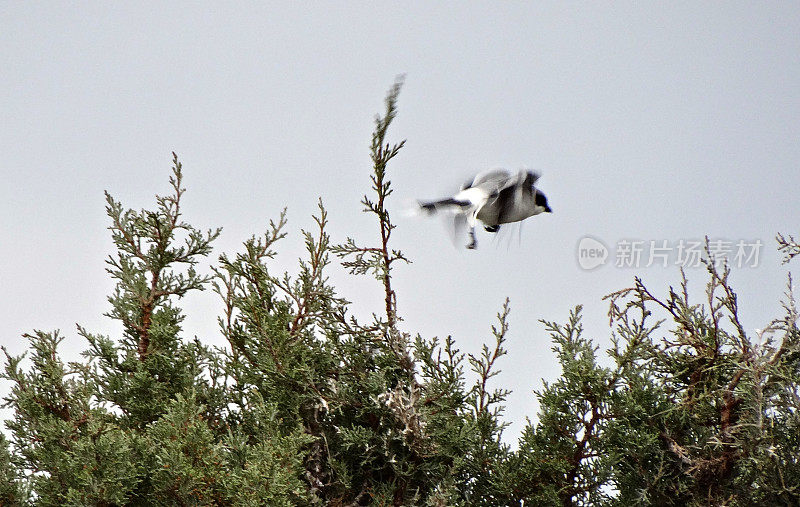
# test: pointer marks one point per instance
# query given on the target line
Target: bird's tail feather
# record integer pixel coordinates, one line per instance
(444, 204)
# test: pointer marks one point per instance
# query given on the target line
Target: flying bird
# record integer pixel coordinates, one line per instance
(493, 198)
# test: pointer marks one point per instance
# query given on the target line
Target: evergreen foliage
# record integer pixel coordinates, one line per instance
(306, 405)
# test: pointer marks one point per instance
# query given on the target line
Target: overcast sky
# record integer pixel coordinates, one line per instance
(649, 122)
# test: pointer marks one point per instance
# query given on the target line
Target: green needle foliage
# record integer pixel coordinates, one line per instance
(307, 405)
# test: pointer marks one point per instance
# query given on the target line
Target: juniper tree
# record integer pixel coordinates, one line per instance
(71, 449)
(150, 365)
(485, 475)
(693, 411)
(352, 387)
(562, 458)
(712, 411)
(144, 420)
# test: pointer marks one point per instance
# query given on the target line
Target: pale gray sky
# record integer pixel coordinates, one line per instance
(648, 121)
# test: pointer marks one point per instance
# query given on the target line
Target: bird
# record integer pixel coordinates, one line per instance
(493, 198)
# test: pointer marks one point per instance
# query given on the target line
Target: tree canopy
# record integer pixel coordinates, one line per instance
(307, 405)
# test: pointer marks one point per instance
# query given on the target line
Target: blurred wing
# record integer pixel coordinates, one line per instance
(505, 236)
(530, 177)
(459, 226)
(492, 180)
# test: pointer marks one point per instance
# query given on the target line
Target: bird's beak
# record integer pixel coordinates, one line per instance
(548, 210)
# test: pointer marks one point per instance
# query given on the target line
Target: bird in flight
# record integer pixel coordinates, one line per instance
(493, 198)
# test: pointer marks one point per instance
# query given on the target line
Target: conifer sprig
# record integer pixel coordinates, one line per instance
(146, 251)
(379, 260)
